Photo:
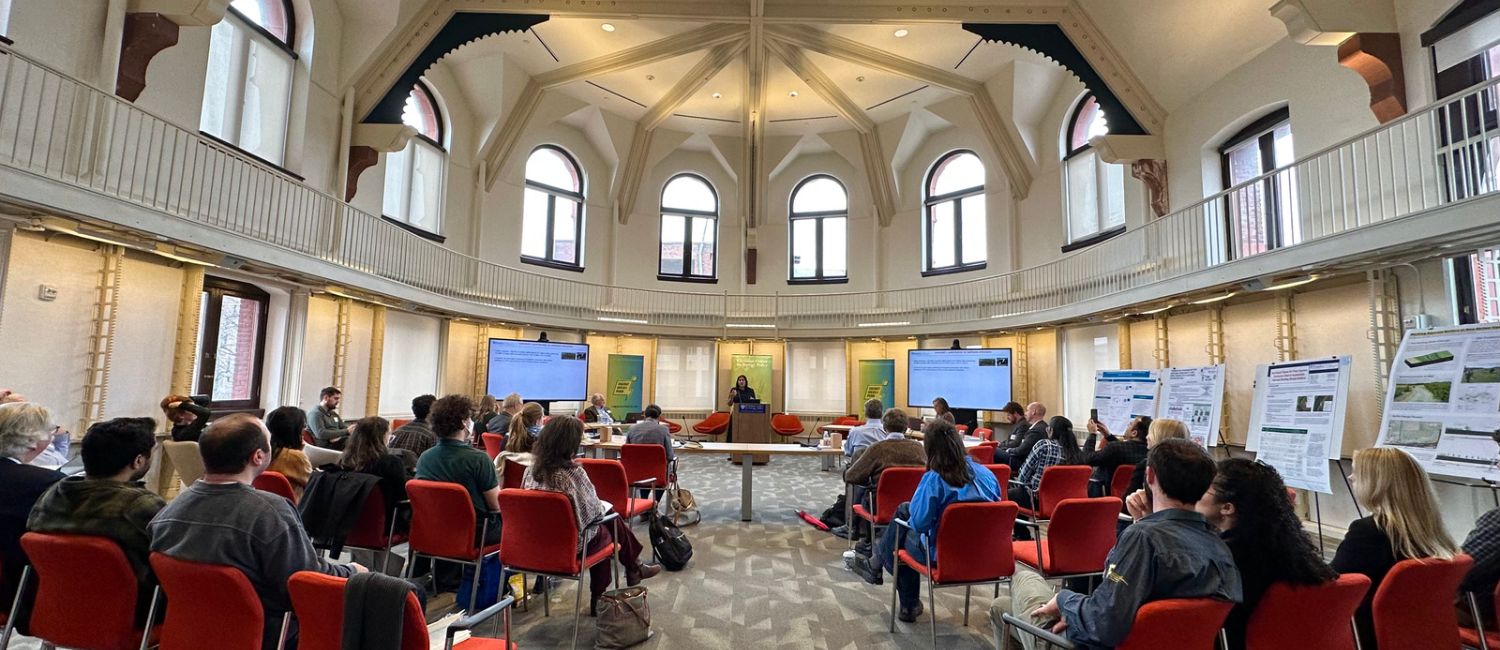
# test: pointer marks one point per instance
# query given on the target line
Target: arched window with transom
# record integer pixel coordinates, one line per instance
(414, 176)
(552, 211)
(954, 224)
(819, 230)
(689, 230)
(248, 88)
(1094, 191)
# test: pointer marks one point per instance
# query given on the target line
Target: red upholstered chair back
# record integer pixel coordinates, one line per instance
(1002, 475)
(208, 606)
(715, 424)
(86, 592)
(318, 601)
(493, 444)
(787, 424)
(309, 438)
(541, 532)
(514, 472)
(984, 434)
(1413, 607)
(644, 462)
(608, 477)
(1180, 624)
(371, 528)
(442, 519)
(895, 486)
(399, 422)
(1062, 482)
(672, 427)
(982, 454)
(958, 529)
(1314, 616)
(963, 429)
(847, 420)
(1120, 482)
(1081, 534)
(276, 483)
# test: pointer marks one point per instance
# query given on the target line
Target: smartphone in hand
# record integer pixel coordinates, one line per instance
(1093, 415)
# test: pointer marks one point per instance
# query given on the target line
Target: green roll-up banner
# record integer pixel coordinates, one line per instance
(757, 371)
(877, 379)
(624, 384)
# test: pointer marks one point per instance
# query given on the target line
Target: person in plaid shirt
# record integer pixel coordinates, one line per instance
(1059, 448)
(416, 436)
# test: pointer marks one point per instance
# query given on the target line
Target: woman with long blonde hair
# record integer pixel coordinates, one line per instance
(524, 428)
(1404, 523)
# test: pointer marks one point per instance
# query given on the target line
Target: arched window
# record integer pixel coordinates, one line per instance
(954, 228)
(819, 230)
(1263, 215)
(552, 214)
(248, 88)
(1094, 190)
(414, 176)
(689, 229)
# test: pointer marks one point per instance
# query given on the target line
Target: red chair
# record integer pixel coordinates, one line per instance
(672, 427)
(984, 434)
(209, 606)
(716, 424)
(1120, 482)
(608, 477)
(493, 444)
(787, 425)
(893, 487)
(1002, 475)
(309, 438)
(443, 522)
(646, 466)
(318, 601)
(957, 565)
(1058, 482)
(847, 421)
(1079, 538)
(514, 472)
(399, 422)
(542, 537)
(1470, 635)
(1413, 607)
(1177, 623)
(1317, 616)
(375, 529)
(982, 454)
(276, 483)
(963, 429)
(85, 593)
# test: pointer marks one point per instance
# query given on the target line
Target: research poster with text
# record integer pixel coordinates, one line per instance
(1442, 401)
(1297, 423)
(1121, 395)
(1196, 397)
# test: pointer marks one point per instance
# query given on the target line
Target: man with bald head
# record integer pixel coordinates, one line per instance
(1036, 416)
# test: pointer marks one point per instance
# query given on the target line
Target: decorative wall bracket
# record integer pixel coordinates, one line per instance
(1377, 59)
(1147, 157)
(146, 35)
(1153, 174)
(366, 145)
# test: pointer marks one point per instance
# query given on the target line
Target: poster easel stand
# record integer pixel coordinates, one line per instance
(1350, 486)
(1318, 516)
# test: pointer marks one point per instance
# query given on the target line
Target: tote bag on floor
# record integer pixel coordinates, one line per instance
(624, 618)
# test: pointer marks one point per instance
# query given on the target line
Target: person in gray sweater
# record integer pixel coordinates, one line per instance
(222, 520)
(650, 431)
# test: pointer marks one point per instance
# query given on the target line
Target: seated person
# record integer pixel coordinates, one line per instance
(1060, 447)
(108, 500)
(454, 460)
(556, 471)
(1036, 431)
(1404, 523)
(25, 431)
(324, 422)
(286, 424)
(1160, 429)
(367, 453)
(509, 407)
(1170, 552)
(596, 411)
(894, 450)
(650, 431)
(222, 520)
(1107, 456)
(416, 436)
(188, 417)
(951, 477)
(1014, 417)
(872, 431)
(527, 422)
(1482, 544)
(518, 448)
(1247, 504)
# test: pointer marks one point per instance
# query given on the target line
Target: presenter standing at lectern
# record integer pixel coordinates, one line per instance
(742, 393)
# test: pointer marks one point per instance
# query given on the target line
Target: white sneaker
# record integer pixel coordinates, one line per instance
(849, 560)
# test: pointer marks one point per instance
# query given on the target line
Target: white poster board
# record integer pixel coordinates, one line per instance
(1442, 401)
(1298, 419)
(1196, 397)
(1121, 395)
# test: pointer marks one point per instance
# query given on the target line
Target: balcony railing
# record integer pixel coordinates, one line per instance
(66, 130)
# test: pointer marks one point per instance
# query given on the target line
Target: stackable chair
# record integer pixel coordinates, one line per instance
(956, 563)
(1002, 475)
(646, 466)
(209, 606)
(1079, 538)
(1058, 482)
(983, 433)
(276, 483)
(716, 424)
(608, 477)
(1413, 607)
(963, 429)
(1316, 616)
(542, 537)
(375, 529)
(442, 528)
(894, 486)
(787, 425)
(493, 443)
(318, 600)
(514, 472)
(85, 594)
(982, 454)
(1177, 623)
(1120, 482)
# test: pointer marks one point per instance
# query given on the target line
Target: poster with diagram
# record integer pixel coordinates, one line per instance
(1442, 402)
(1121, 395)
(1297, 418)
(1196, 397)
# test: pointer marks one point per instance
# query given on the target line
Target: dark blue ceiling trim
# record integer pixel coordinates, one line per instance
(1051, 42)
(464, 27)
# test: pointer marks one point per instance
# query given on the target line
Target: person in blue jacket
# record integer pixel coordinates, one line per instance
(952, 477)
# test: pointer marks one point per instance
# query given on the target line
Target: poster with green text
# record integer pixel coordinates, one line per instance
(877, 379)
(757, 371)
(623, 384)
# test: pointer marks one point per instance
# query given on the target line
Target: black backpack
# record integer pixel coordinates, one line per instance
(670, 544)
(833, 517)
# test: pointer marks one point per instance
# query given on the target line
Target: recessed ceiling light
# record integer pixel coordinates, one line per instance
(901, 33)
(609, 27)
(718, 95)
(792, 94)
(650, 77)
(859, 79)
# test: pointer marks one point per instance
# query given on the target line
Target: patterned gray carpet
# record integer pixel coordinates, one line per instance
(772, 583)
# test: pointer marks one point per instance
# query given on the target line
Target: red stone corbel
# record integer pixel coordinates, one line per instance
(1377, 59)
(360, 158)
(146, 35)
(1153, 174)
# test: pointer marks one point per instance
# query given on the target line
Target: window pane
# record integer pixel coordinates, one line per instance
(1112, 210)
(689, 193)
(549, 167)
(394, 203)
(940, 237)
(565, 232)
(419, 113)
(427, 188)
(959, 172)
(672, 230)
(1282, 145)
(216, 90)
(1090, 122)
(268, 91)
(1083, 197)
(974, 229)
(269, 14)
(1244, 162)
(835, 248)
(534, 224)
(234, 352)
(820, 194)
(804, 248)
(705, 231)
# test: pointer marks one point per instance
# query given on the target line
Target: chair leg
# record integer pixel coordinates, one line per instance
(286, 625)
(150, 617)
(932, 609)
(546, 595)
(577, 615)
(893, 590)
(966, 606)
(15, 608)
(474, 587)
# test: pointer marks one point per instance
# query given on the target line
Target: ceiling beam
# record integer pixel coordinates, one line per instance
(497, 148)
(906, 13)
(718, 11)
(1110, 66)
(753, 124)
(655, 51)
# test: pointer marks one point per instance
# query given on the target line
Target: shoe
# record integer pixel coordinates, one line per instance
(864, 548)
(910, 614)
(647, 570)
(841, 532)
(871, 574)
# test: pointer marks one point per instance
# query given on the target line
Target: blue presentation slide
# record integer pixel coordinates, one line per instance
(539, 371)
(968, 379)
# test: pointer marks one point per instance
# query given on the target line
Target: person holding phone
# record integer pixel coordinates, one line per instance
(1129, 449)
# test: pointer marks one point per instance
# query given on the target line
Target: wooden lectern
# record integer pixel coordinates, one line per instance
(751, 424)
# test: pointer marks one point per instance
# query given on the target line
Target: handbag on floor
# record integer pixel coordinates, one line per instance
(682, 507)
(670, 544)
(624, 618)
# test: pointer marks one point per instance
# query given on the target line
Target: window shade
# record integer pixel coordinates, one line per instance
(816, 377)
(1086, 350)
(409, 363)
(685, 375)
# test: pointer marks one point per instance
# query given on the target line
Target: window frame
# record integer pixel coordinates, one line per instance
(409, 161)
(215, 289)
(284, 46)
(1071, 152)
(288, 43)
(957, 197)
(1263, 132)
(820, 220)
(687, 234)
(552, 194)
